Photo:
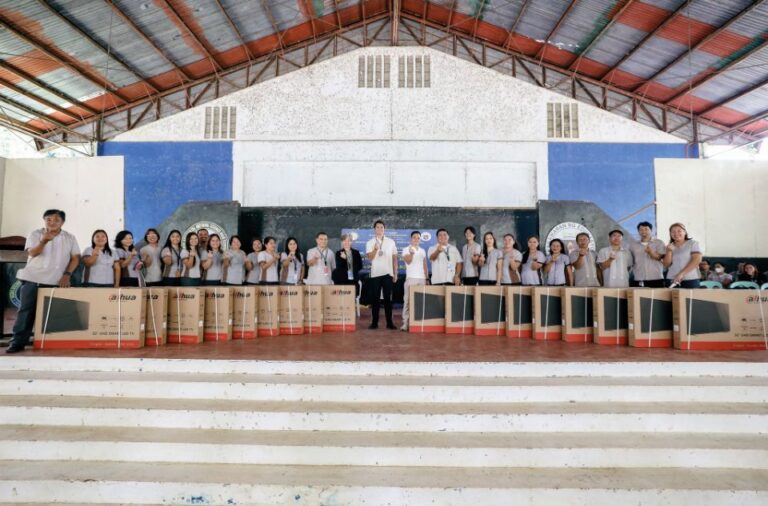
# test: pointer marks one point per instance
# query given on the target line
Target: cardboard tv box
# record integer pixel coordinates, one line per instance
(459, 309)
(519, 311)
(90, 318)
(547, 313)
(611, 316)
(650, 317)
(291, 310)
(268, 309)
(186, 309)
(427, 309)
(720, 319)
(156, 323)
(244, 316)
(578, 314)
(219, 309)
(339, 311)
(313, 309)
(490, 311)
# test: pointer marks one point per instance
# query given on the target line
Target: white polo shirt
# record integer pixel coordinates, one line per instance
(444, 266)
(48, 267)
(415, 270)
(320, 273)
(381, 265)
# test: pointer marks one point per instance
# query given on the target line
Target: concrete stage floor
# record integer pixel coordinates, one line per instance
(396, 346)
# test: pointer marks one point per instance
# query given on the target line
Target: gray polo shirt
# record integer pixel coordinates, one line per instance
(529, 276)
(154, 272)
(488, 271)
(214, 271)
(271, 275)
(644, 267)
(131, 269)
(680, 258)
(617, 275)
(254, 275)
(556, 275)
(468, 269)
(103, 271)
(586, 275)
(48, 267)
(320, 273)
(194, 271)
(293, 270)
(236, 268)
(512, 256)
(173, 270)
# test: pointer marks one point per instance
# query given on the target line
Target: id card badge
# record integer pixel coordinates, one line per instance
(292, 278)
(326, 270)
(451, 269)
(350, 276)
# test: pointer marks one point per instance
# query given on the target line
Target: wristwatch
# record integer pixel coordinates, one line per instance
(67, 273)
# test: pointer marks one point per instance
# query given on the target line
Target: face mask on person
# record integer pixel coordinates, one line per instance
(719, 270)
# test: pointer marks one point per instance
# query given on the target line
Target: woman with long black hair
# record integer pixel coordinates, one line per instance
(102, 269)
(252, 269)
(129, 260)
(190, 258)
(234, 263)
(213, 263)
(491, 261)
(171, 255)
(292, 263)
(532, 262)
(268, 262)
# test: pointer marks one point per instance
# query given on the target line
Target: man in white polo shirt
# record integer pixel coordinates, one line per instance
(415, 271)
(321, 262)
(446, 261)
(382, 252)
(53, 255)
(615, 261)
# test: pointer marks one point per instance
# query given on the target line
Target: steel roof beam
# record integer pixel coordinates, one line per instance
(734, 97)
(557, 26)
(600, 34)
(738, 126)
(38, 99)
(273, 22)
(192, 34)
(237, 33)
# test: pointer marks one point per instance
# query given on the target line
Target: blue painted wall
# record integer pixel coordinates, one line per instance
(618, 178)
(160, 176)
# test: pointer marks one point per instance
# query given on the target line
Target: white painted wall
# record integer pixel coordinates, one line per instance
(721, 202)
(89, 190)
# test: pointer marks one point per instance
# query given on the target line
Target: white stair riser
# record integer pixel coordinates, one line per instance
(128, 492)
(385, 393)
(388, 422)
(107, 451)
(446, 369)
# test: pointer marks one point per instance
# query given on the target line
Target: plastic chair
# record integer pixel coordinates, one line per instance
(711, 284)
(764, 287)
(744, 284)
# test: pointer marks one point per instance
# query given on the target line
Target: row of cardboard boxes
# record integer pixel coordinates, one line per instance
(136, 317)
(641, 317)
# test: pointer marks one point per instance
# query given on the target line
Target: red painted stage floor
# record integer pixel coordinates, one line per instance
(393, 346)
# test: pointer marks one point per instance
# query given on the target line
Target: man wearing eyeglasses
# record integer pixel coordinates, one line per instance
(446, 261)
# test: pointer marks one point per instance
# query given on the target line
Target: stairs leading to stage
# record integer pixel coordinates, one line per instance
(133, 431)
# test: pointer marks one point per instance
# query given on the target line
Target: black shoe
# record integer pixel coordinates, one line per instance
(373, 326)
(391, 326)
(14, 348)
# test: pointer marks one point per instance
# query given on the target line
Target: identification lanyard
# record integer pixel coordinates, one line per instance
(380, 244)
(324, 256)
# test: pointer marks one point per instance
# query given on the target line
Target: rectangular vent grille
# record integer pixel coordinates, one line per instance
(373, 71)
(562, 120)
(414, 72)
(220, 122)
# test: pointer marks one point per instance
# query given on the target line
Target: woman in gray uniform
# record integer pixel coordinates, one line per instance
(171, 255)
(556, 266)
(682, 258)
(234, 263)
(129, 260)
(190, 258)
(213, 265)
(150, 257)
(101, 265)
(292, 263)
(470, 255)
(491, 261)
(510, 267)
(253, 276)
(268, 262)
(532, 262)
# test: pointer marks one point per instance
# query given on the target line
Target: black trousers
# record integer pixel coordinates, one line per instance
(25, 317)
(378, 284)
(651, 283)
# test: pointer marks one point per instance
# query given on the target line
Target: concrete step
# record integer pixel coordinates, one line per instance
(383, 388)
(736, 418)
(142, 483)
(529, 450)
(441, 369)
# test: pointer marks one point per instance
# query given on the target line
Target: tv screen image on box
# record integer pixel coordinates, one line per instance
(581, 312)
(64, 315)
(523, 309)
(616, 314)
(551, 310)
(462, 307)
(492, 308)
(707, 317)
(428, 306)
(657, 319)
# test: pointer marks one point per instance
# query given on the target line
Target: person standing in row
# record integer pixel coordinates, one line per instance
(615, 261)
(491, 261)
(102, 269)
(150, 257)
(584, 263)
(190, 259)
(234, 263)
(647, 256)
(268, 262)
(557, 265)
(171, 255)
(129, 260)
(446, 261)
(382, 252)
(321, 262)
(213, 265)
(532, 262)
(470, 256)
(416, 272)
(682, 258)
(349, 263)
(253, 276)
(510, 267)
(53, 254)
(291, 263)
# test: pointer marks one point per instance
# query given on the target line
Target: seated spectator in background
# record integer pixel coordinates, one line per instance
(739, 270)
(682, 258)
(704, 270)
(719, 274)
(647, 253)
(615, 261)
(751, 274)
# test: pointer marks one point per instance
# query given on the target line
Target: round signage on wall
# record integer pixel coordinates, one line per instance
(13, 293)
(212, 228)
(567, 232)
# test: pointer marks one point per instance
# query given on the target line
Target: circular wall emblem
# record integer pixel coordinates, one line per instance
(212, 228)
(426, 236)
(567, 232)
(13, 293)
